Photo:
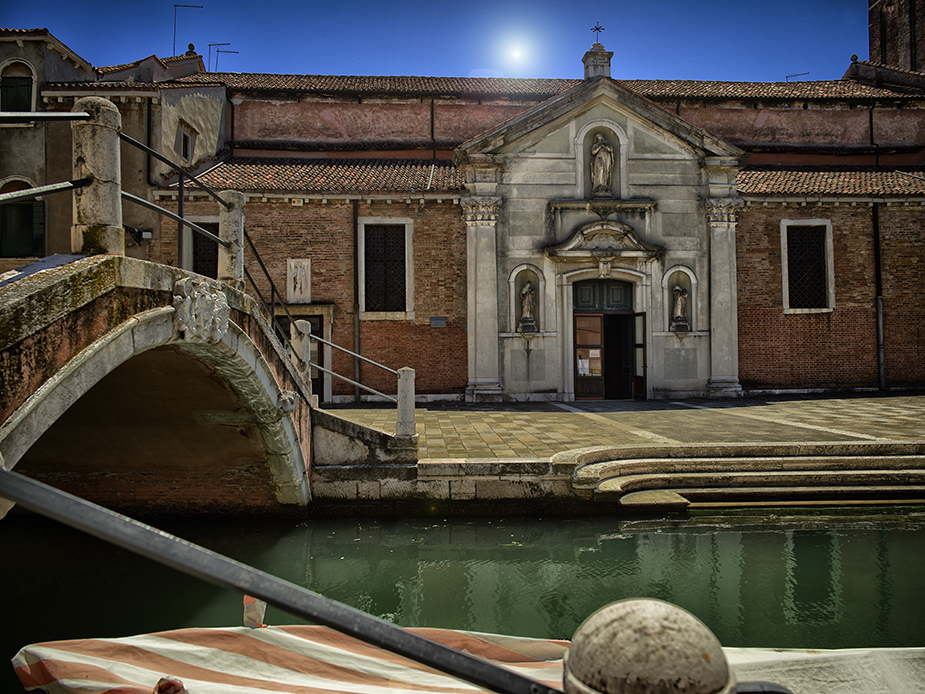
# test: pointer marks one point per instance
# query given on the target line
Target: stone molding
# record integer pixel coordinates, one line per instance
(201, 313)
(723, 210)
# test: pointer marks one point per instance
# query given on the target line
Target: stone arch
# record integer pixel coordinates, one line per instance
(689, 282)
(583, 139)
(235, 358)
(516, 280)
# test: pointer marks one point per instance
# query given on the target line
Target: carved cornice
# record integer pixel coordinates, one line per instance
(201, 313)
(723, 210)
(482, 209)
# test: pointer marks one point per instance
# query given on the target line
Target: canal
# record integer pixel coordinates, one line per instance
(775, 578)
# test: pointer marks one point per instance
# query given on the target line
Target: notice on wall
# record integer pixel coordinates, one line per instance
(584, 367)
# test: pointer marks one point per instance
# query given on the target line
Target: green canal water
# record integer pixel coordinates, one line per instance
(781, 579)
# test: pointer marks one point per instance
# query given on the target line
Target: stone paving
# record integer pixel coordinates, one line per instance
(539, 430)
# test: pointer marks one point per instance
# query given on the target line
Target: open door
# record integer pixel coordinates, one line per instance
(639, 356)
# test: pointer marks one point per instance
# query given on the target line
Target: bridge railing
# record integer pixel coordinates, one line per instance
(98, 210)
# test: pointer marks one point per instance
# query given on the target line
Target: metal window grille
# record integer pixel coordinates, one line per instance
(384, 259)
(205, 252)
(15, 93)
(806, 267)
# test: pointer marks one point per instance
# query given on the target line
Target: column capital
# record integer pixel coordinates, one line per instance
(482, 209)
(723, 210)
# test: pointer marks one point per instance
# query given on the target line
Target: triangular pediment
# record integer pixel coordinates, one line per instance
(603, 239)
(520, 132)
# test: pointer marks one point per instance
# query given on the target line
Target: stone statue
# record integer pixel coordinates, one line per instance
(601, 167)
(679, 321)
(527, 308)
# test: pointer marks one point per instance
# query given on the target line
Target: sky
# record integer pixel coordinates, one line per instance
(740, 40)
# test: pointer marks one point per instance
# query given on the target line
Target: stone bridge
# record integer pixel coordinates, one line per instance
(143, 387)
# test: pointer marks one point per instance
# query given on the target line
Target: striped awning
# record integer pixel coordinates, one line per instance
(241, 660)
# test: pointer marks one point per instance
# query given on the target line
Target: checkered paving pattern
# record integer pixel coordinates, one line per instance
(540, 430)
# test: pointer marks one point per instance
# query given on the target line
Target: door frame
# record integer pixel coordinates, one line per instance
(642, 291)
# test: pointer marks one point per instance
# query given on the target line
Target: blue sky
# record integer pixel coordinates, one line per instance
(747, 40)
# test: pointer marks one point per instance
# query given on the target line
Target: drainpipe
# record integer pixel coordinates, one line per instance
(356, 298)
(881, 350)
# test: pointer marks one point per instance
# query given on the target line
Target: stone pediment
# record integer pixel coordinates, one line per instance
(603, 240)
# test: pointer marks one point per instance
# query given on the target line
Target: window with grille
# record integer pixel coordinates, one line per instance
(22, 225)
(385, 266)
(807, 266)
(205, 251)
(16, 88)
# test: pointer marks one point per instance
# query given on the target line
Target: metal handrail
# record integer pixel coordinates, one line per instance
(167, 213)
(31, 116)
(46, 190)
(353, 354)
(354, 383)
(229, 574)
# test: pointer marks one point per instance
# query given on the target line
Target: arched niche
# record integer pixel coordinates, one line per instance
(517, 281)
(584, 143)
(679, 292)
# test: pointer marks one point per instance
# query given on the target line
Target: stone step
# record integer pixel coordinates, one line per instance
(668, 499)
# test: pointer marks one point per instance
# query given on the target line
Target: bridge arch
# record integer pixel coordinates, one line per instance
(273, 423)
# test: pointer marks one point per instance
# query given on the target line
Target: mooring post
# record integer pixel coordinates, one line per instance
(97, 225)
(404, 424)
(231, 229)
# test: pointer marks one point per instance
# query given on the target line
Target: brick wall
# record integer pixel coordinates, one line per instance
(902, 253)
(324, 233)
(820, 350)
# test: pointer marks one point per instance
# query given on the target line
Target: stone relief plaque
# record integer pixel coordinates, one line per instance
(298, 280)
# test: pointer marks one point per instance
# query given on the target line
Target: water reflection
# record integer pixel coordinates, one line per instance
(797, 582)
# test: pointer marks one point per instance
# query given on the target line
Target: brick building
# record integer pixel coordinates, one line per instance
(538, 239)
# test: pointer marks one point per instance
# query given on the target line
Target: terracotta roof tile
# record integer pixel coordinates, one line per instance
(333, 176)
(331, 84)
(704, 89)
(861, 181)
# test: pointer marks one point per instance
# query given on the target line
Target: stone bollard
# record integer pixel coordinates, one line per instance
(231, 229)
(645, 647)
(97, 225)
(404, 422)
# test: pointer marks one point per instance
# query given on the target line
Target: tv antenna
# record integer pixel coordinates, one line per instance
(219, 50)
(198, 7)
(799, 74)
(209, 64)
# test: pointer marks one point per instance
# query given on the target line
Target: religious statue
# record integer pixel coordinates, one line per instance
(679, 321)
(601, 167)
(527, 308)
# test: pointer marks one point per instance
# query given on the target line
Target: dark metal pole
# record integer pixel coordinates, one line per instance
(180, 224)
(227, 573)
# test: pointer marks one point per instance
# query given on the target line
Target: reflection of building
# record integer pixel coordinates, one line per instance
(787, 215)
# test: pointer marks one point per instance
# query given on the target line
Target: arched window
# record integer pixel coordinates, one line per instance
(22, 225)
(16, 87)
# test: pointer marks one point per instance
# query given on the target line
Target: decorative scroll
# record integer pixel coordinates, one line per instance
(201, 312)
(723, 209)
(481, 210)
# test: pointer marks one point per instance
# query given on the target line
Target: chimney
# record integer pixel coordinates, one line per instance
(597, 62)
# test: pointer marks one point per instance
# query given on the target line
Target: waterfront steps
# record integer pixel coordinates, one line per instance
(859, 473)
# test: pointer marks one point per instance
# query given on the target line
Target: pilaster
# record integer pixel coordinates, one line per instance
(481, 214)
(724, 330)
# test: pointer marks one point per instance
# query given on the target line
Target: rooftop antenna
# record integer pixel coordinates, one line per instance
(199, 7)
(219, 50)
(597, 29)
(799, 74)
(209, 64)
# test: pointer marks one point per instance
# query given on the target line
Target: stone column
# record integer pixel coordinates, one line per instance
(724, 324)
(97, 225)
(482, 286)
(231, 229)
(404, 421)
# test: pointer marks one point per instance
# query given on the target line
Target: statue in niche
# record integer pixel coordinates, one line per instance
(679, 320)
(527, 308)
(601, 167)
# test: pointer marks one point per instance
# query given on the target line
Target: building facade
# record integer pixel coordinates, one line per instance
(559, 239)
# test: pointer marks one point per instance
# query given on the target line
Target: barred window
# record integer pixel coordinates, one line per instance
(205, 251)
(807, 265)
(16, 87)
(386, 277)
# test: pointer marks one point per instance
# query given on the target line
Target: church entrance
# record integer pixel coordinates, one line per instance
(609, 352)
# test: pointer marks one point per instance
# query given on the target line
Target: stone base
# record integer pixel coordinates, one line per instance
(724, 389)
(477, 394)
